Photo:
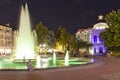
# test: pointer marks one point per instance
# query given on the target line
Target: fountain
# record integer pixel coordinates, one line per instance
(54, 58)
(24, 38)
(38, 61)
(24, 50)
(66, 61)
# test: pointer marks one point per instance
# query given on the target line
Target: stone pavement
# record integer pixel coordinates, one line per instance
(104, 69)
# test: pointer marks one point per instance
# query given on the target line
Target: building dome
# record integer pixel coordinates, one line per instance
(101, 25)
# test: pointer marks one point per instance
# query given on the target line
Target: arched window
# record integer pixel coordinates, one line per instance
(2, 43)
(95, 39)
(100, 50)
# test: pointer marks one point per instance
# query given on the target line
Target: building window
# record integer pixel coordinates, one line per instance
(78, 37)
(95, 39)
(85, 37)
(94, 50)
(0, 30)
(2, 43)
(100, 40)
(100, 50)
(1, 36)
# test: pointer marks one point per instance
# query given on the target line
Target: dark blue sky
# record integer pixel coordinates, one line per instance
(72, 14)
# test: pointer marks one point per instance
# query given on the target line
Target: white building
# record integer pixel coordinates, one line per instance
(92, 35)
(5, 40)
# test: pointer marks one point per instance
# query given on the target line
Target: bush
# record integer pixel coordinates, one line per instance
(117, 54)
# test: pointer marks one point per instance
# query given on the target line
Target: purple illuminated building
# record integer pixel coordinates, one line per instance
(92, 35)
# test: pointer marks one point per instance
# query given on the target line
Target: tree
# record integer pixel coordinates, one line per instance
(76, 44)
(81, 44)
(42, 33)
(87, 46)
(111, 35)
(63, 37)
(51, 39)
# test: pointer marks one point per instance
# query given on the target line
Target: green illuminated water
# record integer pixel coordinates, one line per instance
(47, 62)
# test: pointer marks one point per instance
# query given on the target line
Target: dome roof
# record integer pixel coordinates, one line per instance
(100, 26)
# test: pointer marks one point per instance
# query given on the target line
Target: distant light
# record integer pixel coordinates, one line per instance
(100, 17)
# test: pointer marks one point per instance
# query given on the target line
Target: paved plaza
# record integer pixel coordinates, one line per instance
(104, 69)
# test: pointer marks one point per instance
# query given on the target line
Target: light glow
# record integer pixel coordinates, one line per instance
(67, 58)
(54, 57)
(38, 61)
(24, 38)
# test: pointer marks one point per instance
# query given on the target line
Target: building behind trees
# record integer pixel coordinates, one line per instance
(92, 35)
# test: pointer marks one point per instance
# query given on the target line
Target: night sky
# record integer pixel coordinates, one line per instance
(71, 14)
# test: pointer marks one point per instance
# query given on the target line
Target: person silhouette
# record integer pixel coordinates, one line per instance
(29, 65)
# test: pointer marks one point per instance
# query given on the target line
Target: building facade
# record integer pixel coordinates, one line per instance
(92, 35)
(6, 41)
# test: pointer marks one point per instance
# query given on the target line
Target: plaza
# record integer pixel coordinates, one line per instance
(104, 69)
(83, 56)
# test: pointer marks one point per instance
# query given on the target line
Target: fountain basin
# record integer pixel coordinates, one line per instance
(45, 63)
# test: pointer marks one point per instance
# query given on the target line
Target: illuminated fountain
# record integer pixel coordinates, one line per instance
(24, 37)
(24, 50)
(54, 57)
(38, 61)
(66, 61)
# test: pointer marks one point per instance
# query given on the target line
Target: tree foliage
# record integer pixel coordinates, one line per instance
(111, 35)
(51, 39)
(42, 33)
(69, 41)
(45, 38)
(81, 44)
(63, 37)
